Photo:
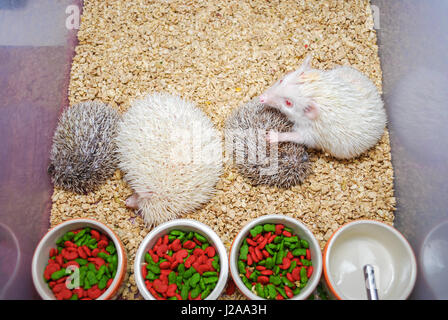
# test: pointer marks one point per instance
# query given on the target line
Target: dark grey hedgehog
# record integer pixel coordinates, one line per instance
(83, 154)
(283, 165)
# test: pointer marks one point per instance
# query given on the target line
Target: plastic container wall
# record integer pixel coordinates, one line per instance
(413, 43)
(37, 40)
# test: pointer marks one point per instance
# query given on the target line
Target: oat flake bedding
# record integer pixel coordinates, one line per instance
(220, 54)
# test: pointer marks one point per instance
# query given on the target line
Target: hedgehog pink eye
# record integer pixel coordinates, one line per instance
(288, 103)
(281, 81)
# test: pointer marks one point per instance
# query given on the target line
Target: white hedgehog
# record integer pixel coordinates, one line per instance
(339, 111)
(171, 155)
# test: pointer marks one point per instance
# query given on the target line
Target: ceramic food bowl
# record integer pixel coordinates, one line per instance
(301, 231)
(185, 225)
(41, 256)
(363, 242)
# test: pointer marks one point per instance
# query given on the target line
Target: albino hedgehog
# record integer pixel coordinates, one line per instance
(339, 111)
(171, 155)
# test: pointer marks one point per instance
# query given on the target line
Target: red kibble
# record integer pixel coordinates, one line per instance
(296, 273)
(161, 250)
(210, 251)
(59, 260)
(287, 234)
(189, 244)
(199, 243)
(249, 260)
(181, 254)
(262, 243)
(171, 291)
(272, 238)
(254, 257)
(70, 253)
(154, 257)
(165, 265)
(308, 254)
(309, 272)
(95, 252)
(166, 240)
(251, 242)
(82, 253)
(159, 286)
(260, 268)
(102, 244)
(50, 269)
(267, 272)
(198, 252)
(289, 255)
(265, 254)
(176, 245)
(279, 229)
(256, 237)
(259, 254)
(286, 263)
(290, 277)
(144, 272)
(279, 297)
(190, 260)
(288, 292)
(263, 279)
(71, 263)
(95, 234)
(53, 252)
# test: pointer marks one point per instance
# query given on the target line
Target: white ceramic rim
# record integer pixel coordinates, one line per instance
(88, 223)
(394, 231)
(287, 221)
(159, 231)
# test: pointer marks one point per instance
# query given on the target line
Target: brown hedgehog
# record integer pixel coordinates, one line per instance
(282, 165)
(83, 154)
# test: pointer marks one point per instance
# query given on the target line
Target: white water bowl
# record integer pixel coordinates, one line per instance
(363, 242)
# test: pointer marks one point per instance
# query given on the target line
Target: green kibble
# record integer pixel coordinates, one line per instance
(296, 291)
(244, 251)
(181, 269)
(253, 276)
(101, 272)
(269, 250)
(272, 291)
(111, 248)
(103, 282)
(104, 256)
(190, 235)
(74, 297)
(299, 252)
(200, 237)
(275, 280)
(58, 274)
(256, 230)
(184, 292)
(287, 282)
(195, 292)
(91, 277)
(176, 233)
(282, 292)
(269, 227)
(68, 236)
(153, 268)
(189, 273)
(241, 266)
(304, 244)
(292, 266)
(269, 263)
(172, 298)
(79, 235)
(306, 262)
(172, 277)
(87, 285)
(210, 280)
(81, 261)
(206, 292)
(259, 290)
(210, 274)
(195, 280)
(278, 239)
(216, 265)
(303, 276)
(202, 284)
(246, 283)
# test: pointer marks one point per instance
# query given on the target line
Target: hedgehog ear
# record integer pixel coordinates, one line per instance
(312, 111)
(306, 64)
